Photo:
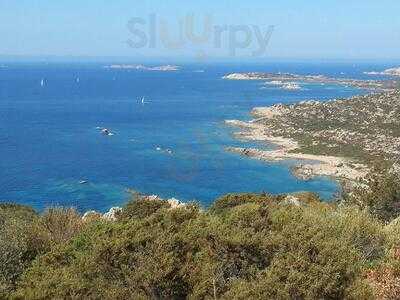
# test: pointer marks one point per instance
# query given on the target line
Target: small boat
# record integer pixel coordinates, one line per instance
(83, 182)
(77, 80)
(143, 101)
(42, 83)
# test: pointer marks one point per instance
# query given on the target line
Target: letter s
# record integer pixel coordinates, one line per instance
(140, 39)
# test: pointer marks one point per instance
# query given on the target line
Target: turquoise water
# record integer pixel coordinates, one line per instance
(49, 139)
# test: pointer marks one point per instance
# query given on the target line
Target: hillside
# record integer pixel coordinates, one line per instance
(245, 246)
(345, 135)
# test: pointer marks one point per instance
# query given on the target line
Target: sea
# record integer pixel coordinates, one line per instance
(169, 135)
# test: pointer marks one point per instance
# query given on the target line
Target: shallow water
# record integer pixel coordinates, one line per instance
(49, 139)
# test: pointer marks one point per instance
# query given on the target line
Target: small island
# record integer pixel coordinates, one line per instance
(388, 72)
(166, 68)
(285, 78)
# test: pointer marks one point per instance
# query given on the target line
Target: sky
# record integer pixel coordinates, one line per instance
(235, 30)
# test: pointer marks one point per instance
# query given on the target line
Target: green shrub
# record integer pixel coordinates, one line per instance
(16, 250)
(16, 211)
(140, 207)
(57, 225)
(379, 194)
(385, 277)
(131, 260)
(232, 200)
(245, 247)
(317, 253)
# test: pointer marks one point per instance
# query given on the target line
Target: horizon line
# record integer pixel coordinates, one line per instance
(15, 58)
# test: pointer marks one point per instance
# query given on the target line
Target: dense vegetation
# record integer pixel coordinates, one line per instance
(247, 246)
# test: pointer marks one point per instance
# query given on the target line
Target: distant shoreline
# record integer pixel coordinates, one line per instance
(164, 68)
(286, 78)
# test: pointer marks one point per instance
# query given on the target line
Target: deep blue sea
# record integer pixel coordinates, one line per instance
(49, 140)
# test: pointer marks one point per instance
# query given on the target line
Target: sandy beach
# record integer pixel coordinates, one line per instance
(308, 166)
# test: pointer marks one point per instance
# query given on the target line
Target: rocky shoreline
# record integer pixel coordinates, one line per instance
(338, 138)
(309, 165)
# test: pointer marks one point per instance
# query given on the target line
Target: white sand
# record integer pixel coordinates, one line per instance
(315, 165)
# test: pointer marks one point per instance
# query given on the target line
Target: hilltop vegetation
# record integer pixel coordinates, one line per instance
(246, 246)
(341, 138)
(365, 128)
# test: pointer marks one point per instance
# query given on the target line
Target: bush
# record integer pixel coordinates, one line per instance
(245, 247)
(16, 251)
(140, 207)
(232, 200)
(24, 235)
(57, 226)
(385, 278)
(135, 259)
(15, 211)
(314, 256)
(378, 193)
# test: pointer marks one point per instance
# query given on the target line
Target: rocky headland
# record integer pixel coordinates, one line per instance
(338, 138)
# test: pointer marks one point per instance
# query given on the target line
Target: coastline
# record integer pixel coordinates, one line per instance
(309, 166)
(339, 138)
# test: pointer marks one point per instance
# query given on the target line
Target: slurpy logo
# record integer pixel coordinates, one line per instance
(156, 31)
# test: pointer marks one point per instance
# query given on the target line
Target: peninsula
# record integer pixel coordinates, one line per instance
(338, 138)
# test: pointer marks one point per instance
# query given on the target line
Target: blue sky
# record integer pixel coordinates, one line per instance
(328, 29)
